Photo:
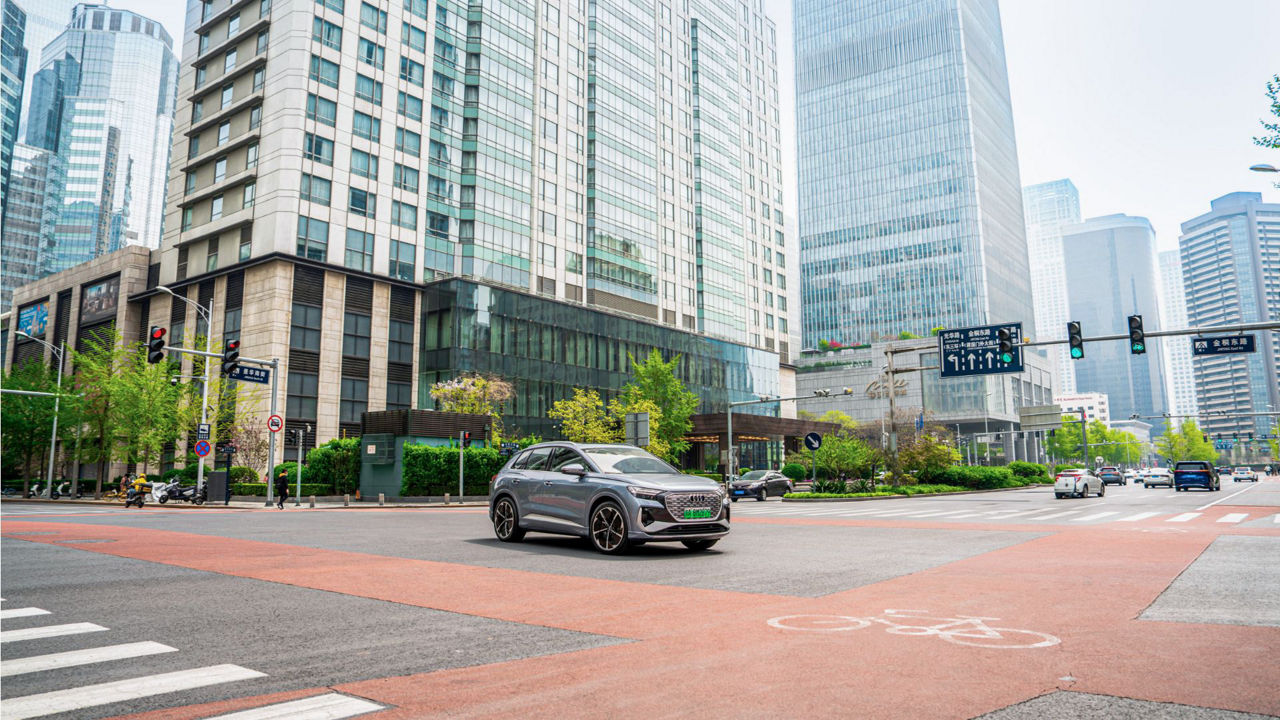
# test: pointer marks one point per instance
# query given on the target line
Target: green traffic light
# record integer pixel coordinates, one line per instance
(1077, 353)
(1006, 357)
(1139, 347)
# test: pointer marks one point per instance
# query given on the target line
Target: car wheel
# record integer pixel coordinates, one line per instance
(506, 521)
(699, 545)
(1102, 490)
(608, 529)
(733, 499)
(764, 495)
(1059, 495)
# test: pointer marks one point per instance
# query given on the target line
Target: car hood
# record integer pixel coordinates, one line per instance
(670, 481)
(746, 483)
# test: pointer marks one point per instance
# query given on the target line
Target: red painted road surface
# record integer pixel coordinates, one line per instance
(713, 654)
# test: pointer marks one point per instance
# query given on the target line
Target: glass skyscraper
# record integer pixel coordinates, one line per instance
(1181, 384)
(13, 64)
(910, 200)
(1048, 207)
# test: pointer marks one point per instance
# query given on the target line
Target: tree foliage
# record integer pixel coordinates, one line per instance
(475, 395)
(584, 418)
(1272, 138)
(928, 451)
(655, 381)
(1185, 443)
(27, 421)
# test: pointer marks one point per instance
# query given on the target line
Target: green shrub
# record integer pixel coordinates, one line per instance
(830, 487)
(926, 489)
(291, 468)
(260, 489)
(336, 462)
(744, 470)
(168, 476)
(709, 475)
(973, 478)
(1034, 472)
(434, 470)
(242, 474)
(809, 495)
(795, 471)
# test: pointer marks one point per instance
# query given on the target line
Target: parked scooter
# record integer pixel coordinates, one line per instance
(37, 490)
(64, 490)
(175, 491)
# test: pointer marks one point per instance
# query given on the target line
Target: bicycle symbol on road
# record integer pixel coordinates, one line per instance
(961, 630)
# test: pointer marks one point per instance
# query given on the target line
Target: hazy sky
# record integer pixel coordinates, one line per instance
(1149, 106)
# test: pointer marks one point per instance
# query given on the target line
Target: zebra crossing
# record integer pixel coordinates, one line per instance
(1091, 514)
(326, 706)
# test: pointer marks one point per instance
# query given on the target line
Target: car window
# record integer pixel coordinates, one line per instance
(565, 456)
(1190, 466)
(755, 475)
(627, 460)
(521, 461)
(538, 459)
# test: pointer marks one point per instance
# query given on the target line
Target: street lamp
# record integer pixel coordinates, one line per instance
(208, 349)
(1263, 167)
(57, 401)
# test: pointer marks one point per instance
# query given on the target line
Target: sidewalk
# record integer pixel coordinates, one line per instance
(242, 502)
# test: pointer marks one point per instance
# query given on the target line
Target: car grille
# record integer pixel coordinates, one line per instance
(677, 503)
(692, 529)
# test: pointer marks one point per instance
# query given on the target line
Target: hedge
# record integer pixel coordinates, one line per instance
(795, 471)
(973, 478)
(1035, 472)
(434, 470)
(243, 474)
(260, 489)
(291, 468)
(709, 475)
(336, 462)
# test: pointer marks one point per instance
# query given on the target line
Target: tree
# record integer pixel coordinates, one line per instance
(583, 418)
(927, 452)
(148, 408)
(26, 421)
(656, 381)
(1185, 443)
(476, 395)
(1271, 140)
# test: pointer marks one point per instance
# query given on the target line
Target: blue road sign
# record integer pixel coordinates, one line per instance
(813, 441)
(252, 374)
(974, 351)
(1226, 345)
(202, 448)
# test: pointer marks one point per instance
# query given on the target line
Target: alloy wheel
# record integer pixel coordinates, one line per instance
(506, 522)
(608, 529)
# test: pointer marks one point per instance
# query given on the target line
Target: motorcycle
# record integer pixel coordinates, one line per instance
(64, 490)
(137, 495)
(175, 491)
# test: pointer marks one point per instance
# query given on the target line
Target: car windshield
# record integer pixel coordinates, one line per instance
(1242, 469)
(1189, 466)
(627, 460)
(755, 475)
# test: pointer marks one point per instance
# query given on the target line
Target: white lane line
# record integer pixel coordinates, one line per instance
(1233, 517)
(1024, 513)
(1215, 502)
(1061, 514)
(40, 663)
(1276, 518)
(1184, 517)
(1095, 516)
(331, 706)
(48, 631)
(59, 701)
(936, 513)
(22, 612)
(1139, 516)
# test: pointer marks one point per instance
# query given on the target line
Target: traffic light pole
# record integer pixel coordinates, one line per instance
(1212, 329)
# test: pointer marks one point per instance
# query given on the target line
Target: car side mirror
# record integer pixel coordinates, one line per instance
(574, 469)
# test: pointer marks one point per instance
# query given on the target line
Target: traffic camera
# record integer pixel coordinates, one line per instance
(155, 345)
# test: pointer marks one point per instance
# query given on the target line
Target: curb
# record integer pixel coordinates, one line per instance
(923, 495)
(249, 504)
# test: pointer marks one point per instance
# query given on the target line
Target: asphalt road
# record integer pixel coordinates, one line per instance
(805, 610)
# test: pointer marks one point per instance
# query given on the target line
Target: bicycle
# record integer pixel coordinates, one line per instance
(968, 630)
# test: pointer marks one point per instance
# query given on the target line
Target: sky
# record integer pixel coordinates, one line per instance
(1148, 106)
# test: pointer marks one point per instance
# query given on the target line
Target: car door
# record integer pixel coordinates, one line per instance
(778, 484)
(527, 485)
(566, 495)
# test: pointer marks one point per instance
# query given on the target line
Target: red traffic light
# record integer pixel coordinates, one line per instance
(233, 345)
(157, 333)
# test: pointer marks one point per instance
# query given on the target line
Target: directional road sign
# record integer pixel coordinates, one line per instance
(251, 374)
(202, 431)
(1227, 345)
(202, 448)
(275, 423)
(813, 441)
(973, 351)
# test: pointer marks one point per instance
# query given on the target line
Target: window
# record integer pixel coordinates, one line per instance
(336, 6)
(326, 33)
(547, 190)
(438, 225)
(264, 38)
(366, 126)
(202, 74)
(372, 53)
(439, 152)
(255, 118)
(550, 71)
(228, 93)
(446, 53)
(413, 37)
(549, 159)
(224, 132)
(259, 78)
(405, 178)
(355, 400)
(188, 218)
(364, 164)
(313, 238)
(211, 256)
(317, 148)
(219, 169)
(204, 43)
(303, 388)
(233, 24)
(412, 71)
(355, 334)
(197, 110)
(316, 189)
(373, 18)
(191, 184)
(250, 192)
(550, 100)
(325, 72)
(441, 83)
(368, 89)
(547, 222)
(399, 395)
(572, 262)
(550, 131)
(438, 187)
(400, 347)
(359, 250)
(408, 142)
(362, 202)
(439, 116)
(547, 254)
(402, 255)
(404, 215)
(251, 157)
(409, 106)
(229, 61)
(322, 110)
(246, 243)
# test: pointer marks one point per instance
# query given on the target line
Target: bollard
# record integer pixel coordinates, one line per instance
(382, 498)
(346, 500)
(313, 501)
(446, 498)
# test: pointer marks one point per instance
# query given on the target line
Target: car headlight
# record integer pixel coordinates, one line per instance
(644, 493)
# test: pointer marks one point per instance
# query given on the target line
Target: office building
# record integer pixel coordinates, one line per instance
(910, 199)
(29, 218)
(1231, 274)
(1048, 207)
(13, 66)
(1181, 383)
(1094, 405)
(1117, 254)
(45, 20)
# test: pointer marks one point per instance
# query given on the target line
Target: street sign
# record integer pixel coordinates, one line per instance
(813, 441)
(251, 374)
(974, 351)
(202, 431)
(1039, 417)
(226, 448)
(275, 423)
(202, 448)
(1221, 444)
(1228, 345)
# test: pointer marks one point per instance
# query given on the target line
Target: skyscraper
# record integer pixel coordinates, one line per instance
(46, 19)
(1048, 207)
(13, 65)
(910, 201)
(1231, 274)
(1181, 384)
(29, 216)
(1117, 254)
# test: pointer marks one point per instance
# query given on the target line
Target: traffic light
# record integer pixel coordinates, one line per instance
(466, 438)
(1206, 437)
(1137, 338)
(230, 357)
(155, 345)
(1235, 436)
(1006, 344)
(1075, 338)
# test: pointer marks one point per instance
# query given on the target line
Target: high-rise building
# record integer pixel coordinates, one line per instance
(29, 218)
(46, 20)
(1094, 404)
(1048, 207)
(910, 200)
(13, 68)
(1231, 274)
(528, 190)
(1181, 383)
(1117, 254)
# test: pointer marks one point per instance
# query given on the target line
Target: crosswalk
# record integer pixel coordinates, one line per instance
(326, 706)
(1090, 514)
(15, 509)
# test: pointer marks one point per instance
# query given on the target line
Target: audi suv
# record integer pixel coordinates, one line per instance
(615, 496)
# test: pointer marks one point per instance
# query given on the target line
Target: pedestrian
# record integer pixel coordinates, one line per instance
(282, 489)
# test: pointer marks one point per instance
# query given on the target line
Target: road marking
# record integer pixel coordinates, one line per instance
(1139, 516)
(22, 612)
(1233, 517)
(942, 513)
(1274, 518)
(1061, 514)
(1184, 517)
(1095, 516)
(1024, 513)
(331, 706)
(1215, 502)
(48, 631)
(40, 663)
(59, 701)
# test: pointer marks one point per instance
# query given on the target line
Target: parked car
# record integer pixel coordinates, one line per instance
(1195, 473)
(1110, 475)
(760, 484)
(1244, 474)
(1158, 476)
(1077, 482)
(615, 496)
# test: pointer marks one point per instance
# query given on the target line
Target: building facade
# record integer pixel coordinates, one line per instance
(13, 68)
(1117, 254)
(1181, 383)
(1049, 207)
(27, 239)
(46, 20)
(1231, 274)
(1094, 405)
(910, 199)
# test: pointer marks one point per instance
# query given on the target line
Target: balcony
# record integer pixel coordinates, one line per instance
(208, 121)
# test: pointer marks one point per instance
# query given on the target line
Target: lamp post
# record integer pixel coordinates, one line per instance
(57, 401)
(204, 386)
(986, 425)
(1263, 167)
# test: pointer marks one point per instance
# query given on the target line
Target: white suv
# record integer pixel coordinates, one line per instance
(1244, 474)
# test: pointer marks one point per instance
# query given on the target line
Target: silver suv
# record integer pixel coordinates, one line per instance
(616, 496)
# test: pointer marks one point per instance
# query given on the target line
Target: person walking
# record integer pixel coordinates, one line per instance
(282, 489)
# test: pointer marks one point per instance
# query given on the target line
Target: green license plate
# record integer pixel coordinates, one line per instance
(697, 514)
